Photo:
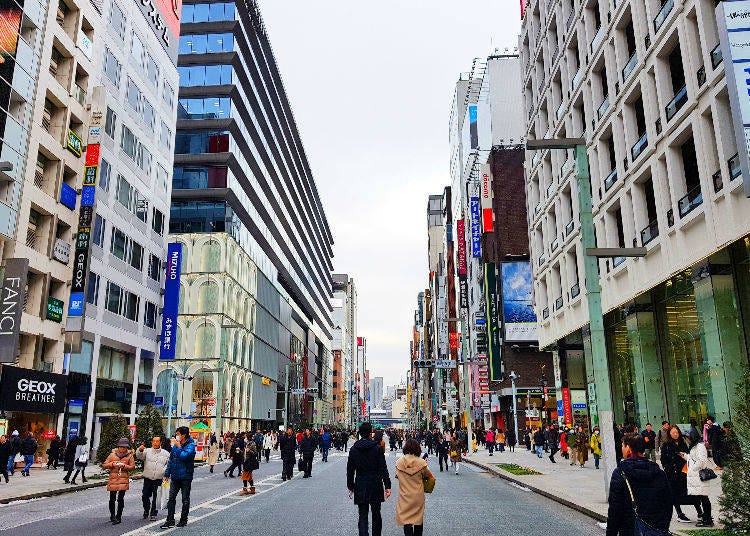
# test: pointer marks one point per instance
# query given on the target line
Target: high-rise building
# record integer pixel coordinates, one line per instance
(344, 305)
(376, 392)
(241, 178)
(643, 83)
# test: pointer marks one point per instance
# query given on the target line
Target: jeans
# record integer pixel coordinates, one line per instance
(150, 488)
(120, 497)
(11, 463)
(596, 460)
(325, 450)
(308, 465)
(501, 447)
(235, 464)
(377, 520)
(443, 459)
(538, 449)
(413, 530)
(175, 487)
(28, 459)
(491, 447)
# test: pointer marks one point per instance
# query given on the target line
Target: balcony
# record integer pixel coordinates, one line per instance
(79, 94)
(638, 148)
(558, 303)
(617, 261)
(649, 232)
(603, 107)
(690, 202)
(664, 12)
(569, 228)
(716, 56)
(545, 313)
(610, 180)
(575, 290)
(554, 245)
(629, 67)
(718, 181)
(576, 79)
(596, 41)
(735, 169)
(677, 102)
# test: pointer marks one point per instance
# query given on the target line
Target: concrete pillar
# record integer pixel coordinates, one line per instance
(92, 397)
(134, 401)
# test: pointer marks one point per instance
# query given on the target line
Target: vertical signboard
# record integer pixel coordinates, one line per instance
(485, 196)
(567, 408)
(473, 127)
(493, 321)
(476, 228)
(733, 21)
(519, 318)
(168, 342)
(461, 236)
(11, 307)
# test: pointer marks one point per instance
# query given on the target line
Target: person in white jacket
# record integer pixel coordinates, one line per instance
(268, 443)
(697, 459)
(155, 463)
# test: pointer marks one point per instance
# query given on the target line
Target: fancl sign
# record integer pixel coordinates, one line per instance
(12, 297)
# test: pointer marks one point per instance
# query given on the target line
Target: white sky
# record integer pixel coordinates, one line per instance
(370, 84)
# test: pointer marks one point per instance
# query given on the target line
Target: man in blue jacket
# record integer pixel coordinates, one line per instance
(180, 470)
(325, 444)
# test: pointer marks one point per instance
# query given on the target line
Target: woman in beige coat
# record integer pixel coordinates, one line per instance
(119, 462)
(213, 452)
(411, 470)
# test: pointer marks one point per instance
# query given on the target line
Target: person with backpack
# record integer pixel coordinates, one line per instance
(638, 493)
(249, 465)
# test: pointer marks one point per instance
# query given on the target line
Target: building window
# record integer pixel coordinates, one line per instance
(136, 50)
(168, 95)
(166, 136)
(157, 221)
(124, 193)
(112, 67)
(209, 43)
(92, 292)
(128, 142)
(154, 267)
(113, 298)
(136, 255)
(134, 95)
(110, 123)
(208, 12)
(144, 159)
(104, 174)
(117, 21)
(204, 108)
(205, 75)
(119, 244)
(161, 177)
(148, 115)
(100, 225)
(149, 315)
(152, 71)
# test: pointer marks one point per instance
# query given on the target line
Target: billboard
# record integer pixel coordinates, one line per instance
(519, 317)
(488, 223)
(12, 299)
(473, 127)
(168, 341)
(32, 390)
(461, 236)
(493, 326)
(476, 228)
(164, 18)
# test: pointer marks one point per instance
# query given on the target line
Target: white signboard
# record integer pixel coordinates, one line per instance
(445, 363)
(61, 251)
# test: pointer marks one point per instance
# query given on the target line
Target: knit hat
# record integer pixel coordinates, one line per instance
(123, 442)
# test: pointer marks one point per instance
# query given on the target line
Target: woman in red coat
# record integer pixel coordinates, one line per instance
(564, 443)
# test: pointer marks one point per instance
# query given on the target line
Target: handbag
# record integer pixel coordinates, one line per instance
(300, 464)
(454, 454)
(706, 474)
(640, 527)
(429, 483)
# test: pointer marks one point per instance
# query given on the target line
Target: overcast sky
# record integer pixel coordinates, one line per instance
(371, 83)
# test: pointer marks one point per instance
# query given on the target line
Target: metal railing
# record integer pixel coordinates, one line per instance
(603, 107)
(677, 102)
(649, 232)
(639, 146)
(629, 67)
(39, 178)
(692, 200)
(610, 179)
(31, 238)
(664, 12)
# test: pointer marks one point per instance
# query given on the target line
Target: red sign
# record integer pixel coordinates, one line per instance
(523, 8)
(461, 235)
(92, 154)
(50, 434)
(567, 409)
(488, 223)
(360, 341)
(364, 408)
(132, 432)
(454, 340)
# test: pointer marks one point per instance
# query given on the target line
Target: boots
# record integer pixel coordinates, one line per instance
(244, 491)
(252, 490)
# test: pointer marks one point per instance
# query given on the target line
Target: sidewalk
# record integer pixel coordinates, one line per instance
(44, 482)
(576, 487)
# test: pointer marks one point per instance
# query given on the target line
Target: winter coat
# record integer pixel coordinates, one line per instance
(538, 438)
(596, 444)
(213, 454)
(652, 496)
(673, 463)
(15, 445)
(308, 446)
(181, 461)
(649, 438)
(154, 462)
(28, 446)
(238, 450)
(510, 438)
(410, 472)
(119, 475)
(268, 441)
(250, 463)
(288, 446)
(564, 442)
(489, 436)
(572, 440)
(4, 454)
(500, 438)
(325, 440)
(697, 460)
(80, 449)
(455, 450)
(367, 472)
(662, 436)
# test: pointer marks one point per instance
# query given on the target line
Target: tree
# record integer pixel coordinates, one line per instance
(735, 497)
(112, 431)
(148, 424)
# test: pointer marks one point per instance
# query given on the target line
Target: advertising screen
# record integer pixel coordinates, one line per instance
(518, 311)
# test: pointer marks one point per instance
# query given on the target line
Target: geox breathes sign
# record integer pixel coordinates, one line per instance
(12, 297)
(32, 390)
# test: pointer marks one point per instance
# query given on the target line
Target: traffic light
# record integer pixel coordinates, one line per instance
(424, 363)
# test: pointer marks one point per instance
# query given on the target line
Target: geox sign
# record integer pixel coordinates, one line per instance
(33, 391)
(12, 297)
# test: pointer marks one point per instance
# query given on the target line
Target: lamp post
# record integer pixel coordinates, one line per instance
(175, 375)
(603, 395)
(513, 378)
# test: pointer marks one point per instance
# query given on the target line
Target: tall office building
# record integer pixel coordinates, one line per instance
(644, 84)
(376, 392)
(344, 304)
(243, 195)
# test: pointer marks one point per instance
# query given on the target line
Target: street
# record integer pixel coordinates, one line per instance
(471, 503)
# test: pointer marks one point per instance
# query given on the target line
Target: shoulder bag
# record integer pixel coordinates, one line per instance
(640, 527)
(429, 483)
(706, 474)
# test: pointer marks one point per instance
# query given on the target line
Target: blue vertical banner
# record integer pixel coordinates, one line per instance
(476, 228)
(473, 127)
(168, 343)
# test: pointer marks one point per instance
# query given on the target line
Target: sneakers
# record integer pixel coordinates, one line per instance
(145, 515)
(682, 518)
(117, 521)
(167, 525)
(152, 518)
(705, 523)
(182, 522)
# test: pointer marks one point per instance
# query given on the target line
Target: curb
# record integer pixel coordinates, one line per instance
(582, 509)
(60, 491)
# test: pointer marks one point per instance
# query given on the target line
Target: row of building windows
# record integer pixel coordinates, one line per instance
(204, 108)
(201, 141)
(206, 43)
(192, 177)
(113, 71)
(205, 75)
(121, 302)
(126, 249)
(215, 11)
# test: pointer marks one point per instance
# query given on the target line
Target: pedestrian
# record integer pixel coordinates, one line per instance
(28, 451)
(258, 440)
(443, 448)
(81, 459)
(69, 458)
(53, 453)
(697, 460)
(649, 437)
(455, 453)
(596, 446)
(489, 439)
(15, 447)
(538, 442)
(638, 484)
(249, 465)
(307, 448)
(662, 436)
(582, 442)
(119, 462)
(366, 479)
(238, 456)
(213, 452)
(411, 472)
(510, 439)
(288, 446)
(671, 455)
(4, 455)
(729, 445)
(268, 443)
(527, 439)
(554, 440)
(155, 461)
(500, 440)
(572, 440)
(180, 475)
(564, 442)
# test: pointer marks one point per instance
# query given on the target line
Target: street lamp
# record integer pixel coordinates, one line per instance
(513, 377)
(603, 395)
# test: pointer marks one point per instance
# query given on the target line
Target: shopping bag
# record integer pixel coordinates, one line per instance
(163, 495)
(429, 483)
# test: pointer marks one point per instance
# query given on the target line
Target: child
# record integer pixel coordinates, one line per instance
(249, 464)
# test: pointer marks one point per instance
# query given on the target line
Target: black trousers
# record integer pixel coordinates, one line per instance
(235, 465)
(377, 520)
(308, 464)
(150, 489)
(175, 487)
(287, 468)
(413, 530)
(120, 497)
(267, 454)
(443, 458)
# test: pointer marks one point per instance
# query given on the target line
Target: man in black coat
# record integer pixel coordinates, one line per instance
(4, 456)
(288, 450)
(650, 488)
(308, 445)
(238, 455)
(366, 477)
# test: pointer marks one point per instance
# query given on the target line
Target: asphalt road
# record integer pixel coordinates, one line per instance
(472, 503)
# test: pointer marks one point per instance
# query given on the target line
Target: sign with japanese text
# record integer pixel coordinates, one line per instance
(168, 343)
